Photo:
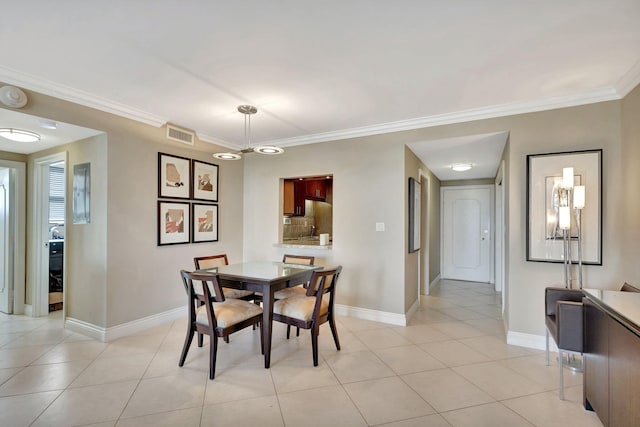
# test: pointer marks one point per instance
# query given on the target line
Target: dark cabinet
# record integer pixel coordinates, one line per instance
(612, 359)
(56, 258)
(316, 189)
(294, 196)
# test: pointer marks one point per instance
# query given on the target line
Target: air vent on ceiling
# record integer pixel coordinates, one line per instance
(185, 136)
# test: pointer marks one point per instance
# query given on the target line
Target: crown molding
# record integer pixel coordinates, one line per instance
(47, 87)
(219, 141)
(629, 81)
(494, 111)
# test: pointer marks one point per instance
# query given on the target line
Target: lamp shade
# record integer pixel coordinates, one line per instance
(565, 218)
(567, 177)
(578, 196)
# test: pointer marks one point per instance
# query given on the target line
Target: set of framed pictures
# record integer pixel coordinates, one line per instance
(189, 221)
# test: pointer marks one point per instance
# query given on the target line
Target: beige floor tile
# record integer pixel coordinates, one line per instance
(37, 378)
(434, 420)
(325, 406)
(458, 330)
(348, 342)
(87, 405)
(419, 334)
(103, 424)
(262, 411)
(446, 390)
(165, 363)
(299, 374)
(131, 345)
(408, 359)
(461, 313)
(499, 381)
(545, 409)
(17, 357)
(382, 338)
(488, 326)
(489, 415)
(238, 384)
(454, 353)
(114, 369)
(494, 347)
(358, 366)
(7, 373)
(435, 302)
(69, 351)
(39, 337)
(356, 325)
(428, 316)
(166, 394)
(7, 338)
(183, 418)
(386, 400)
(24, 409)
(535, 368)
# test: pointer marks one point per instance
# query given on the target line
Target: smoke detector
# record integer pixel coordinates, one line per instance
(13, 97)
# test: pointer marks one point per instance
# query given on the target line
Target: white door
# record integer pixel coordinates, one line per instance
(6, 262)
(467, 233)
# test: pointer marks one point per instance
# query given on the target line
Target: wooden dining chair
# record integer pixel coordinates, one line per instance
(214, 315)
(212, 261)
(311, 310)
(298, 288)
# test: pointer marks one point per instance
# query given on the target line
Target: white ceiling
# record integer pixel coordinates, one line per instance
(325, 70)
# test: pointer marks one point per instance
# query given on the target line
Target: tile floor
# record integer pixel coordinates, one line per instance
(450, 366)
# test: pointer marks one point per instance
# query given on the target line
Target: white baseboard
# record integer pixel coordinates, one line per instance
(530, 341)
(375, 315)
(109, 334)
(433, 283)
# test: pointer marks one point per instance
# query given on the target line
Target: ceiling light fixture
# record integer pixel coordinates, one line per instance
(461, 167)
(19, 135)
(248, 110)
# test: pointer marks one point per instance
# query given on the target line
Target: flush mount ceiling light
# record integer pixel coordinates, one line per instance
(248, 110)
(19, 135)
(461, 167)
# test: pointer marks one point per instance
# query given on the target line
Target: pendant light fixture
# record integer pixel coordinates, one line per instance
(19, 135)
(248, 111)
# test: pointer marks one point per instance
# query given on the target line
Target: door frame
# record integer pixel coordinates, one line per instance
(423, 273)
(40, 235)
(18, 238)
(492, 225)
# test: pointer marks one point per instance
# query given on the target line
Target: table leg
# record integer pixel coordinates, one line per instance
(267, 320)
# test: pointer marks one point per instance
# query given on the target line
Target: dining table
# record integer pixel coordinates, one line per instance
(265, 277)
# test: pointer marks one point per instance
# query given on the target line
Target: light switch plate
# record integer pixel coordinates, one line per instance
(379, 226)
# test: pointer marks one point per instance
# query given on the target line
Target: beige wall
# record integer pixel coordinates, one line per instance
(630, 184)
(14, 157)
(368, 187)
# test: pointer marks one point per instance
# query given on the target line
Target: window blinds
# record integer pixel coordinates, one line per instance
(56, 194)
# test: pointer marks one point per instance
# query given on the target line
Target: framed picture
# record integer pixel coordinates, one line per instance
(544, 179)
(414, 215)
(173, 223)
(82, 193)
(205, 223)
(174, 176)
(205, 181)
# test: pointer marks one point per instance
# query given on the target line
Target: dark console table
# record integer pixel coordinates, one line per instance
(612, 356)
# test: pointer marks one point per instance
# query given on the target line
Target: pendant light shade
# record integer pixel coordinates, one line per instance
(248, 111)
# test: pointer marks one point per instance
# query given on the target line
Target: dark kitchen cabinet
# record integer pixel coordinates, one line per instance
(316, 189)
(294, 196)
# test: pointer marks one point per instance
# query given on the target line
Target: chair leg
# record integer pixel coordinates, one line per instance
(200, 340)
(185, 348)
(226, 339)
(213, 351)
(288, 331)
(262, 341)
(547, 345)
(334, 331)
(561, 364)
(297, 331)
(314, 344)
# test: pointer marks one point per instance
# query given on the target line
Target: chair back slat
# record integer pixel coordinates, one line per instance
(211, 261)
(323, 282)
(298, 259)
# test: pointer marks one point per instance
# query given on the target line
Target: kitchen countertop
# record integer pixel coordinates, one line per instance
(307, 242)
